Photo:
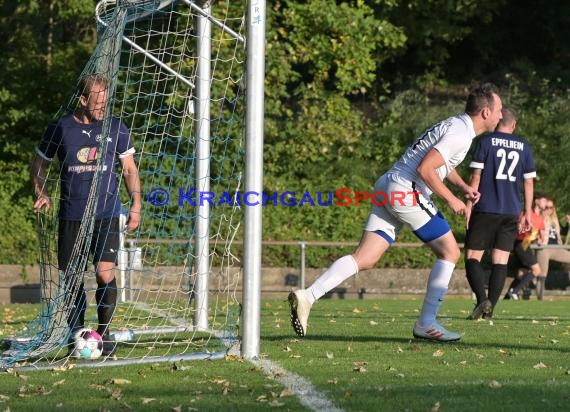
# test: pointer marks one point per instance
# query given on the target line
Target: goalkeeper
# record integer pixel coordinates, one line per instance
(78, 141)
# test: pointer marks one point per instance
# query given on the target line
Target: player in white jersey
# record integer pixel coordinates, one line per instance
(419, 172)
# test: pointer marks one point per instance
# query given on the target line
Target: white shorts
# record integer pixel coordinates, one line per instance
(397, 202)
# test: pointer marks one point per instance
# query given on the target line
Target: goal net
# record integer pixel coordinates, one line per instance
(176, 77)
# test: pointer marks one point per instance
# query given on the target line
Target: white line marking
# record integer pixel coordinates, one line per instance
(307, 394)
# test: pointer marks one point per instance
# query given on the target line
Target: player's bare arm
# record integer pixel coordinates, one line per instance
(471, 192)
(38, 176)
(133, 184)
(474, 183)
(525, 223)
(428, 172)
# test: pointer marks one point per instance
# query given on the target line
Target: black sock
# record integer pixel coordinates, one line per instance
(497, 282)
(515, 282)
(476, 278)
(524, 282)
(76, 316)
(106, 297)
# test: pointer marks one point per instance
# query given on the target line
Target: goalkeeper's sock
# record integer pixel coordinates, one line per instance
(76, 317)
(106, 297)
(337, 273)
(438, 283)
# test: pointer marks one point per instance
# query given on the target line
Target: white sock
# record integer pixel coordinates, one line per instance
(337, 273)
(438, 282)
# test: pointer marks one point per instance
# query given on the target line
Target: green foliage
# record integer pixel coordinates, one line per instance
(18, 243)
(44, 46)
(349, 85)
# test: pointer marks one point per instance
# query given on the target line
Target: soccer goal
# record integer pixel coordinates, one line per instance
(183, 81)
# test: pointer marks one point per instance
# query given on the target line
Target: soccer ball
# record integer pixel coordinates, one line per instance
(87, 344)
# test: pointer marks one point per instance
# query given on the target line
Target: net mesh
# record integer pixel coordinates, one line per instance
(151, 51)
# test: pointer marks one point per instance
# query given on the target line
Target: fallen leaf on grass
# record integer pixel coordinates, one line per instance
(438, 353)
(356, 310)
(177, 408)
(64, 368)
(540, 365)
(279, 373)
(330, 355)
(147, 400)
(233, 358)
(286, 392)
(435, 408)
(117, 394)
(119, 381)
(373, 323)
(58, 383)
(495, 385)
(359, 367)
(42, 390)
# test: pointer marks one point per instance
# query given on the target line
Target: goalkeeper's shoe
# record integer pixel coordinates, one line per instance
(300, 308)
(109, 346)
(435, 332)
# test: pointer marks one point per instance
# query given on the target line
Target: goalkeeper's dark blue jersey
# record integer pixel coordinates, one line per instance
(78, 147)
(505, 161)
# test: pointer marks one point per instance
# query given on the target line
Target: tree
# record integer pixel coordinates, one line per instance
(45, 46)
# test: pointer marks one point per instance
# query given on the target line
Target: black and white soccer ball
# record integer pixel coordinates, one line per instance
(87, 344)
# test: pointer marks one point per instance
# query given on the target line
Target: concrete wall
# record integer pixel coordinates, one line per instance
(276, 282)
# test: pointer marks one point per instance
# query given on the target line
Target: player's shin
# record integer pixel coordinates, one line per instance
(437, 286)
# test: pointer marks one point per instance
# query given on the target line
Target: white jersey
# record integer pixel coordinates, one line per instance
(451, 137)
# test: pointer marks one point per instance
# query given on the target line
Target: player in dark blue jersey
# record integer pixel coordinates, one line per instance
(79, 141)
(503, 166)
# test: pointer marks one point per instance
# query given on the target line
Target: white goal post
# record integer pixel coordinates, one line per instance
(187, 79)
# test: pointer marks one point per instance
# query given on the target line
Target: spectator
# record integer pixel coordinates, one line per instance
(524, 256)
(545, 255)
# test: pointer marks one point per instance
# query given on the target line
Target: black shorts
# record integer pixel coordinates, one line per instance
(103, 245)
(491, 231)
(525, 258)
